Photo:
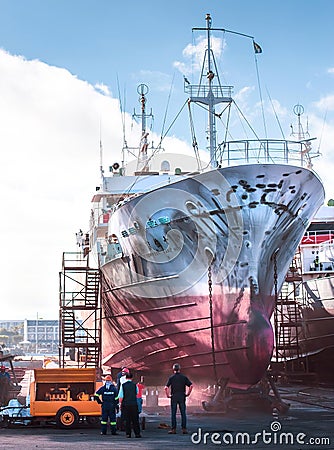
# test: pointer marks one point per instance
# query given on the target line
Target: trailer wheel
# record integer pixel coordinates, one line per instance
(67, 417)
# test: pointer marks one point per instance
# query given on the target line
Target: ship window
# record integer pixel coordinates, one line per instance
(165, 166)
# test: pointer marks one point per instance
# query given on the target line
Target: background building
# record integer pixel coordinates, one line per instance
(34, 336)
(42, 334)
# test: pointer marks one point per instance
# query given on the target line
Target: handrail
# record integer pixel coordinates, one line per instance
(265, 151)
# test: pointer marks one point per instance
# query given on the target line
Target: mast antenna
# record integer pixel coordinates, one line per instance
(125, 145)
(210, 93)
(101, 156)
(142, 161)
(303, 136)
(300, 134)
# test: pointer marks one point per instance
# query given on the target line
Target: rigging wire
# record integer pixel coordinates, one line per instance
(167, 106)
(226, 132)
(125, 144)
(193, 137)
(260, 92)
(276, 116)
(245, 119)
(122, 110)
(322, 131)
(172, 123)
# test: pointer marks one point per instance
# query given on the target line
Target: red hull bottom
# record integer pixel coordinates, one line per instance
(150, 335)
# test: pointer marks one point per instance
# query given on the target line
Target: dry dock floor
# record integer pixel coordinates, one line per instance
(308, 424)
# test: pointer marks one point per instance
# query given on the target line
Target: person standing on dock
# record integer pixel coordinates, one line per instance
(121, 377)
(128, 398)
(109, 402)
(176, 390)
(140, 387)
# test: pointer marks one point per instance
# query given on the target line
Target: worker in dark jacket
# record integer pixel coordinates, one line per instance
(177, 384)
(110, 405)
(128, 399)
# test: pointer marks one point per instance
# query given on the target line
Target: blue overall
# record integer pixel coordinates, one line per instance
(109, 406)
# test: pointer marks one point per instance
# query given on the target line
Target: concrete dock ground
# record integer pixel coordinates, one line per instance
(309, 423)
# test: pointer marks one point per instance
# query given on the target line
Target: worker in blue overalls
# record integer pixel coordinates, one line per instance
(109, 402)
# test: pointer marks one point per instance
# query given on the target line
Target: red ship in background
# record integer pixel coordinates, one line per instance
(306, 325)
(317, 308)
(187, 254)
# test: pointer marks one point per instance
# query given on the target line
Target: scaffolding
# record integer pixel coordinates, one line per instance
(79, 311)
(288, 321)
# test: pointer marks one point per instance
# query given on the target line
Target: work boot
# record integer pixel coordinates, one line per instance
(172, 431)
(184, 431)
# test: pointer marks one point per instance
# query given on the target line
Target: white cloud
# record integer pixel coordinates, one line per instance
(49, 167)
(103, 88)
(275, 107)
(193, 55)
(242, 96)
(325, 103)
(330, 70)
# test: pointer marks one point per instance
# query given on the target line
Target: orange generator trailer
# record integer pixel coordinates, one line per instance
(65, 395)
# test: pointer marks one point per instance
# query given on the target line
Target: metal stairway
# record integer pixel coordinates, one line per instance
(287, 317)
(79, 311)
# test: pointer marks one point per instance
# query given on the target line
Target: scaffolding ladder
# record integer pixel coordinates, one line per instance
(79, 311)
(288, 320)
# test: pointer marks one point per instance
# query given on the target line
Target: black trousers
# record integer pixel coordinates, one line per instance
(131, 417)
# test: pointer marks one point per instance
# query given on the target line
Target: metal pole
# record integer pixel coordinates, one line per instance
(211, 118)
(36, 345)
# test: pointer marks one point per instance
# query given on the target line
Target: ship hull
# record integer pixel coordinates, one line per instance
(318, 316)
(200, 265)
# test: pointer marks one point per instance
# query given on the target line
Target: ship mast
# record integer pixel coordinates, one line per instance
(302, 136)
(142, 161)
(210, 93)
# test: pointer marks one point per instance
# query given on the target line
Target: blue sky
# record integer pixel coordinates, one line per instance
(59, 65)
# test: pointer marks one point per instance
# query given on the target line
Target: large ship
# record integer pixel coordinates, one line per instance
(187, 252)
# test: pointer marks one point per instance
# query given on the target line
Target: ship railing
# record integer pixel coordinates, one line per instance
(265, 151)
(99, 217)
(74, 259)
(198, 92)
(318, 237)
(317, 251)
